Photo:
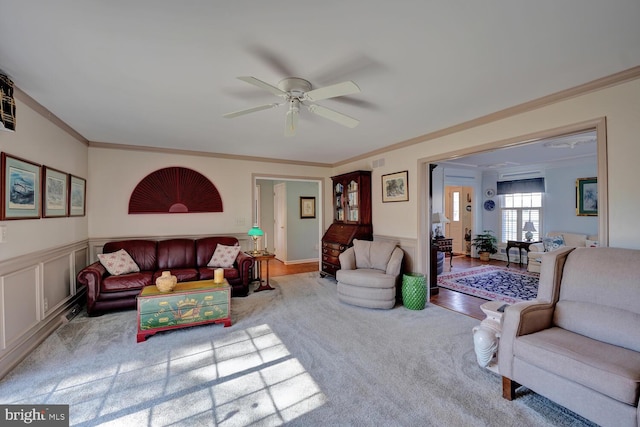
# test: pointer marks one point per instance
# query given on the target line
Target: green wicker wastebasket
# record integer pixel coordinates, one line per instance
(414, 291)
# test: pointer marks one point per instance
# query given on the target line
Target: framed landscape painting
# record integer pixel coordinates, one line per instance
(587, 196)
(54, 193)
(77, 196)
(20, 188)
(395, 187)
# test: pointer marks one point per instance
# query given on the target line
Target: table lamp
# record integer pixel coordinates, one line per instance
(528, 227)
(255, 232)
(439, 218)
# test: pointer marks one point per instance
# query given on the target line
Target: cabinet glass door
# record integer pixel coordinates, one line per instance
(338, 213)
(352, 202)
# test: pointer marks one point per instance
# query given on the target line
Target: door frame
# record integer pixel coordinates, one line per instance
(424, 179)
(320, 207)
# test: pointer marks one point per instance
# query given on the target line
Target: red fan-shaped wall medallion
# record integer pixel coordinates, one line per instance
(175, 190)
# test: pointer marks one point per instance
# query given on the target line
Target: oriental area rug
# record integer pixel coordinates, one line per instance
(493, 283)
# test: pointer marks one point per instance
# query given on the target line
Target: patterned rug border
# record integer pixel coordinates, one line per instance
(448, 281)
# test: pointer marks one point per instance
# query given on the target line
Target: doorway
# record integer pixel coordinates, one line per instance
(458, 208)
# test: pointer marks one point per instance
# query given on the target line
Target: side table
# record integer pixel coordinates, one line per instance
(520, 245)
(259, 258)
(445, 245)
(486, 336)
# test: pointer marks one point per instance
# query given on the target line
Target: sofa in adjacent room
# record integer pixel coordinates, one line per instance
(578, 342)
(553, 241)
(126, 266)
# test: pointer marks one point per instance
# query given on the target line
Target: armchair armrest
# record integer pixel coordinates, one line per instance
(348, 259)
(395, 262)
(519, 319)
(536, 247)
(91, 276)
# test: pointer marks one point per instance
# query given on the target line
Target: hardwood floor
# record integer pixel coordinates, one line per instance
(456, 301)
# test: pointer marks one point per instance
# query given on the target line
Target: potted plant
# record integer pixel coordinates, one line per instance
(486, 243)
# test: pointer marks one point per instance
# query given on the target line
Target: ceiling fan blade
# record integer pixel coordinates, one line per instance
(263, 85)
(331, 91)
(291, 123)
(330, 114)
(249, 110)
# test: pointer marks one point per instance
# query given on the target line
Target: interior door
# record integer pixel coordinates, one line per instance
(459, 211)
(280, 220)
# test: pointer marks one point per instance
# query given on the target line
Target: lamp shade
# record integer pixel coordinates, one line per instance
(255, 231)
(439, 218)
(528, 226)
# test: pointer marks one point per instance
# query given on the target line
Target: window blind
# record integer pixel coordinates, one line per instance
(532, 185)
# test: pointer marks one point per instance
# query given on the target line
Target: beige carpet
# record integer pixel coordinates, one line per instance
(294, 356)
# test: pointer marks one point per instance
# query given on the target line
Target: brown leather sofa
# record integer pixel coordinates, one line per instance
(187, 259)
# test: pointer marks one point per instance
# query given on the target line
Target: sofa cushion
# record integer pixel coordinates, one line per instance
(372, 254)
(143, 252)
(206, 273)
(207, 245)
(119, 262)
(176, 253)
(608, 369)
(182, 274)
(224, 256)
(127, 282)
(552, 243)
(366, 277)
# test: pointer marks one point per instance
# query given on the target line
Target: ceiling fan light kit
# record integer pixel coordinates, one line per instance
(296, 92)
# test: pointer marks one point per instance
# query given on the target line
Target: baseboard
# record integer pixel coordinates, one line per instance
(55, 319)
(301, 261)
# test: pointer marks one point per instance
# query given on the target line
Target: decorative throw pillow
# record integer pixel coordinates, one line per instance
(591, 243)
(224, 256)
(118, 263)
(552, 243)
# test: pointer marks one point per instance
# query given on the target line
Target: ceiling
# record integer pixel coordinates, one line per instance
(161, 73)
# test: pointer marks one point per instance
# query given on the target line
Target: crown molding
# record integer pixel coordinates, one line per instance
(583, 89)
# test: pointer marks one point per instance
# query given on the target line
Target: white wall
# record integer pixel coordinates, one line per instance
(619, 104)
(114, 173)
(38, 140)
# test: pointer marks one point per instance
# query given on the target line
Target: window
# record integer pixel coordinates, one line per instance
(516, 209)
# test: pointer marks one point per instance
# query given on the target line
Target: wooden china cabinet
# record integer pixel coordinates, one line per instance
(351, 217)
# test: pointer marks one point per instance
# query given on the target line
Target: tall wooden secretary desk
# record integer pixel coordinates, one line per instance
(351, 217)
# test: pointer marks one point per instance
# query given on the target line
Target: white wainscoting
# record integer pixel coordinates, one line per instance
(409, 246)
(36, 292)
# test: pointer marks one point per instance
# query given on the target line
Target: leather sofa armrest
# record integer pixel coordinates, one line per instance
(244, 263)
(91, 276)
(348, 259)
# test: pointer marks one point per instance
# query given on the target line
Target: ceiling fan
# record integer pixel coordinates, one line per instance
(297, 92)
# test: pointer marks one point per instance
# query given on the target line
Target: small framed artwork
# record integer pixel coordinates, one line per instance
(54, 193)
(77, 196)
(587, 196)
(20, 188)
(395, 187)
(307, 207)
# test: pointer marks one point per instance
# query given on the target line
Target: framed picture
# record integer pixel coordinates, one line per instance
(395, 187)
(307, 207)
(77, 195)
(20, 188)
(54, 193)
(587, 196)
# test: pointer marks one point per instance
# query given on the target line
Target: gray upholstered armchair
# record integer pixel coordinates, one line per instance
(578, 343)
(369, 274)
